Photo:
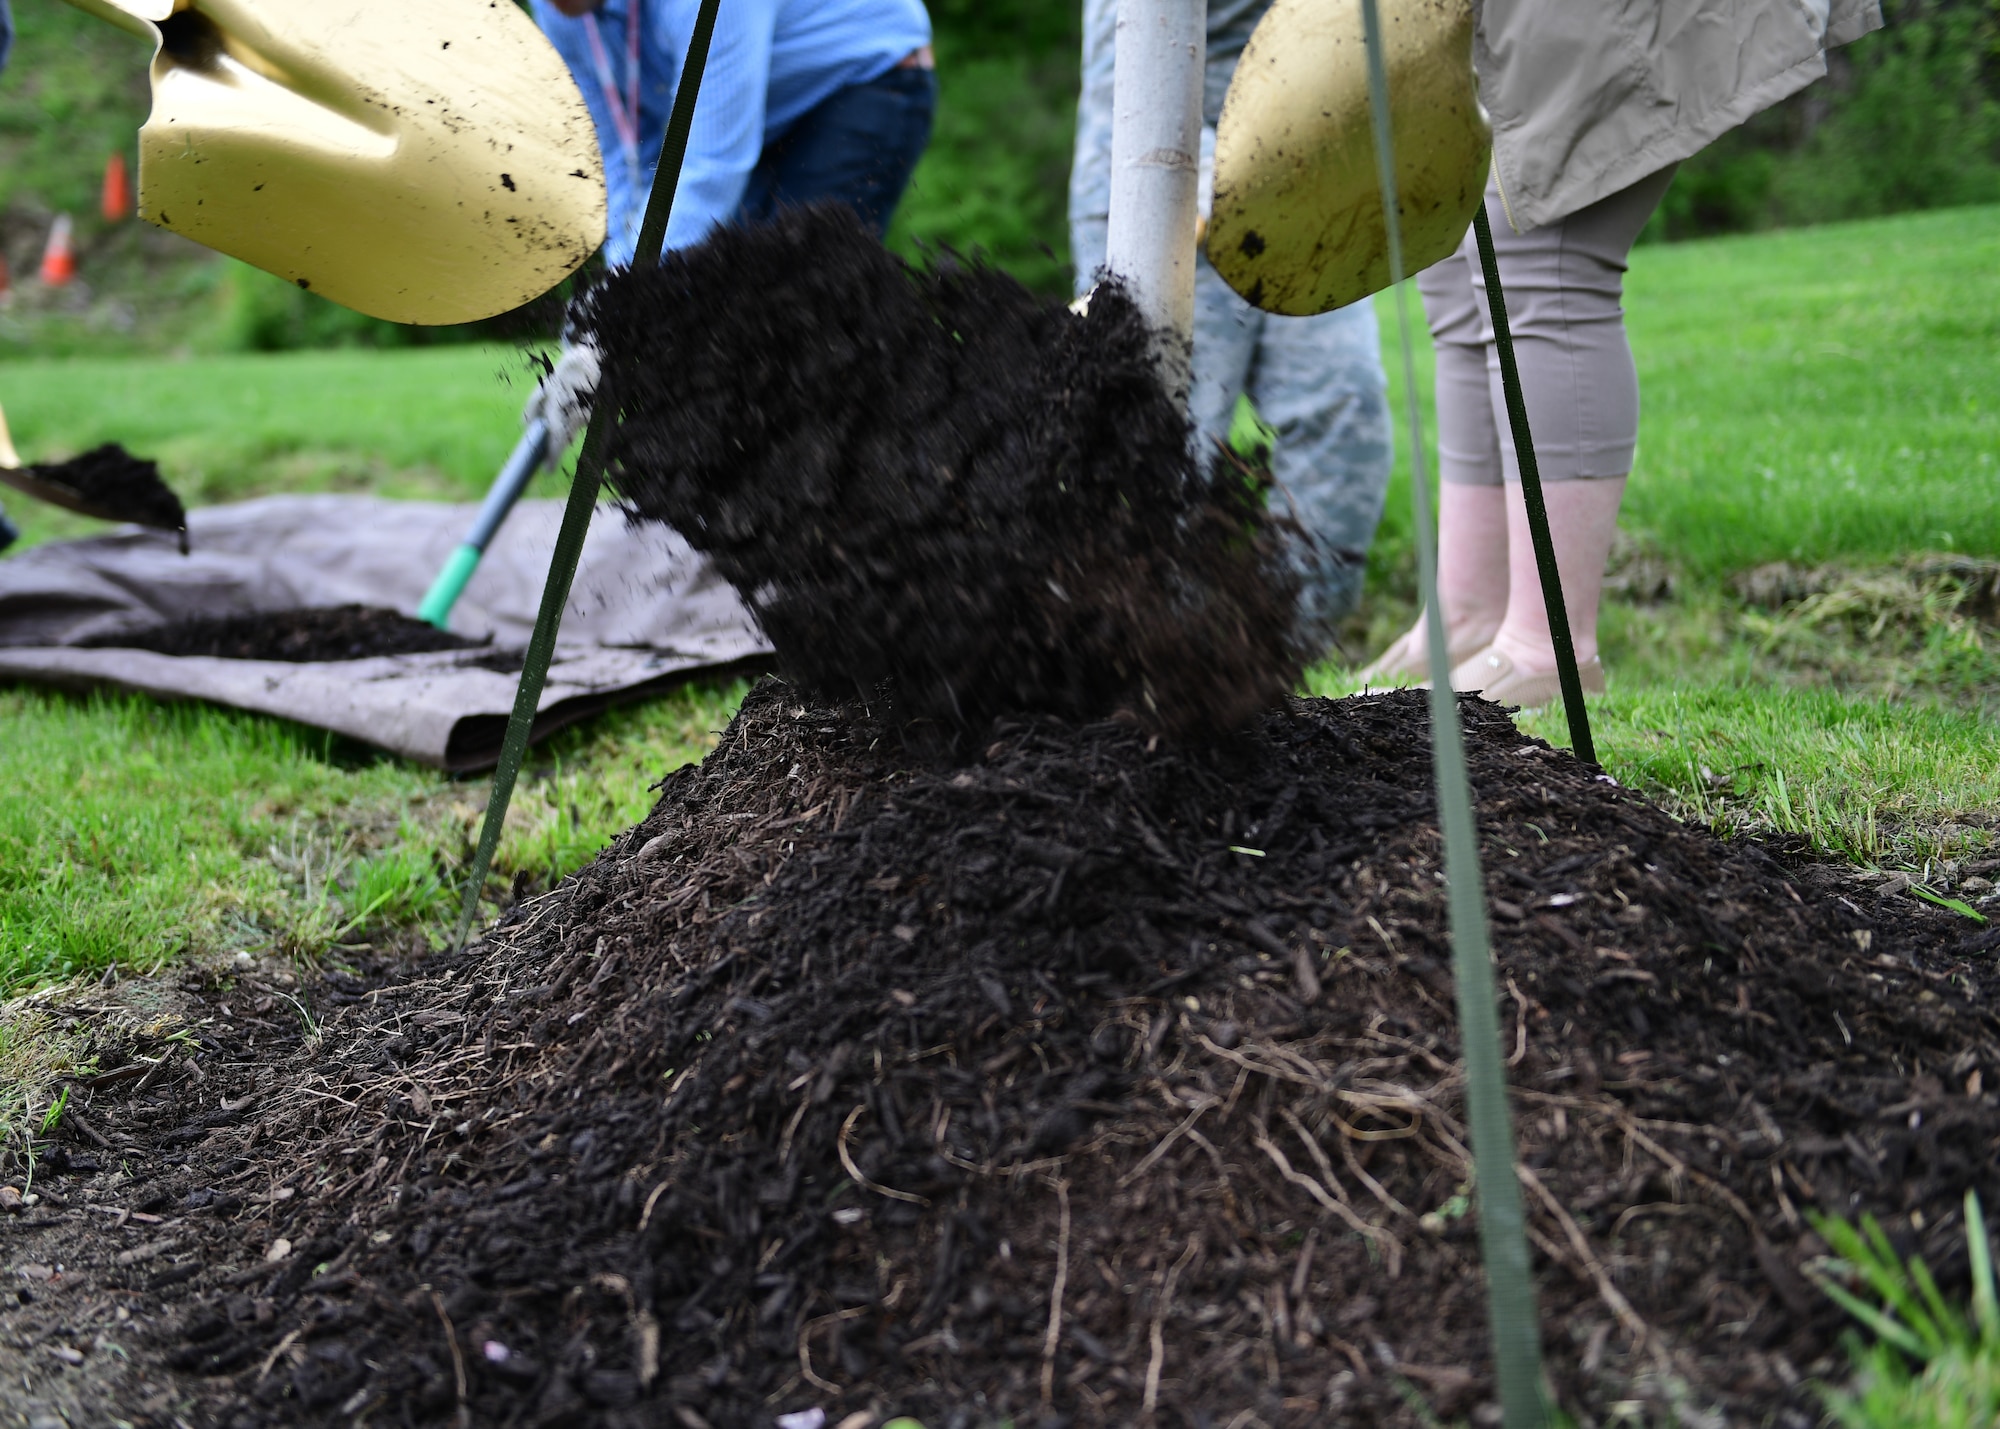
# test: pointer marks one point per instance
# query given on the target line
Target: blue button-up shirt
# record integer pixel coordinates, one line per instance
(771, 61)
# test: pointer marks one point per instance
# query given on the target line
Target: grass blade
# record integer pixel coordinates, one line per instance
(1985, 1300)
(1885, 1328)
(1963, 909)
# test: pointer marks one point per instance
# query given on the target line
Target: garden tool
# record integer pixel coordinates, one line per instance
(39, 483)
(505, 491)
(1297, 225)
(429, 163)
(142, 498)
(554, 416)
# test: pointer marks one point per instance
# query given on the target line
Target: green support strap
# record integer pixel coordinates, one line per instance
(1531, 496)
(1503, 1239)
(583, 490)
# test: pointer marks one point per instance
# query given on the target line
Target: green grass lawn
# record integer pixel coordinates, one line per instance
(1822, 397)
(1828, 394)
(132, 832)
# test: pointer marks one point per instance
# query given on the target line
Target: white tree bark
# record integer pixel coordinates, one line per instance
(1155, 169)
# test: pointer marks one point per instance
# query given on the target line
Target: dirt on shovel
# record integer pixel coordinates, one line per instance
(106, 482)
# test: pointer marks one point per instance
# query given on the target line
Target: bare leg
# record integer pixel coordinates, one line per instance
(1473, 555)
(1583, 519)
(1473, 564)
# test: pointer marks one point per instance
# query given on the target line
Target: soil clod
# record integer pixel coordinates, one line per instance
(939, 490)
(111, 484)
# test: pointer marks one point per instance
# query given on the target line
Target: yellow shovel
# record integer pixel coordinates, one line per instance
(1297, 224)
(429, 161)
(134, 491)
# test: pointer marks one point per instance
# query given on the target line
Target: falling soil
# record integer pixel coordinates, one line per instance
(303, 636)
(940, 491)
(118, 487)
(1092, 1079)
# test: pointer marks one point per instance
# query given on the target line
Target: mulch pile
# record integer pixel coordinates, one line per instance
(1084, 1074)
(119, 486)
(303, 636)
(940, 491)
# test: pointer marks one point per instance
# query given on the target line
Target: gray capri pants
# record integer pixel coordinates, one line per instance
(1564, 284)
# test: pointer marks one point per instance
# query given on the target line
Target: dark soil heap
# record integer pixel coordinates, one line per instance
(934, 487)
(120, 486)
(303, 636)
(1094, 1081)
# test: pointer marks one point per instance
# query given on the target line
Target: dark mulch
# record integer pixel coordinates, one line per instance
(119, 486)
(939, 490)
(302, 636)
(1020, 1086)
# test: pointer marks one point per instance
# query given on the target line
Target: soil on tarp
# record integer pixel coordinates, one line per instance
(307, 635)
(939, 490)
(1090, 1079)
(123, 486)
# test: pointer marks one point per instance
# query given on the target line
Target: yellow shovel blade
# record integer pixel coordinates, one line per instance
(1297, 224)
(426, 162)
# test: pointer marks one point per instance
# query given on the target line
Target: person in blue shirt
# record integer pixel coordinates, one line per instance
(801, 101)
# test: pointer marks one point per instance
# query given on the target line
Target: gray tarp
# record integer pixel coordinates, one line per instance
(645, 611)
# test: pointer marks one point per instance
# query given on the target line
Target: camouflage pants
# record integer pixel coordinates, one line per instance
(1319, 382)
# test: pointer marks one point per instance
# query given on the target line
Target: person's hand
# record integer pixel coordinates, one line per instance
(563, 398)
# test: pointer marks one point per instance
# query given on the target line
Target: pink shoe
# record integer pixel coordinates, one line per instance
(1405, 664)
(1493, 676)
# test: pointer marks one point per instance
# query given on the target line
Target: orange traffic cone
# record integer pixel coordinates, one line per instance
(117, 200)
(59, 258)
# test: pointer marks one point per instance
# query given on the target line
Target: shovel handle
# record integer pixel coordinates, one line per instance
(500, 498)
(450, 583)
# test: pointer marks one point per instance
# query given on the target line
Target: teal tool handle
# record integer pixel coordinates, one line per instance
(450, 582)
(506, 490)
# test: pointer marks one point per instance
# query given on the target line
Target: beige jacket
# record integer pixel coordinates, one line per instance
(1590, 96)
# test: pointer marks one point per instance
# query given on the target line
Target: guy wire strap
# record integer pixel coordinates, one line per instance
(1510, 1290)
(583, 489)
(1531, 495)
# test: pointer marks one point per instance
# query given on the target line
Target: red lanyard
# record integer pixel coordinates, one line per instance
(624, 106)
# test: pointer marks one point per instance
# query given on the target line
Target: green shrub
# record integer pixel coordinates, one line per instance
(995, 180)
(1907, 118)
(263, 313)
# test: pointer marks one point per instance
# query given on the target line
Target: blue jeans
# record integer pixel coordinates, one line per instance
(859, 145)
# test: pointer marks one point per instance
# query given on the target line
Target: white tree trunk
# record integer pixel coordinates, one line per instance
(1155, 170)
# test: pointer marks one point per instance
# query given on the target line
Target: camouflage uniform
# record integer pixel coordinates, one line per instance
(1317, 380)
